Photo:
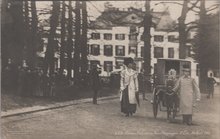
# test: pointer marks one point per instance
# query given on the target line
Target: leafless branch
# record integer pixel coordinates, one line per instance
(216, 5)
(193, 22)
(193, 5)
(195, 10)
(212, 9)
(168, 3)
(190, 28)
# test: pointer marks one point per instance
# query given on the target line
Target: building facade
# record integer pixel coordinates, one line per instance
(110, 42)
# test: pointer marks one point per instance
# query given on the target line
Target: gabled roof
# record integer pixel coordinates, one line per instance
(115, 17)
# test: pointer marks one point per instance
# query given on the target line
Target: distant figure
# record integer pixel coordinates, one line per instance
(142, 83)
(187, 87)
(210, 85)
(95, 82)
(129, 88)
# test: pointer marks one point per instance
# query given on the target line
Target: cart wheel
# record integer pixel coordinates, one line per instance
(155, 106)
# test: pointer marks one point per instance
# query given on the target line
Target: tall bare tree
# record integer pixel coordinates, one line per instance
(187, 6)
(147, 41)
(70, 41)
(49, 57)
(63, 38)
(27, 29)
(34, 29)
(77, 42)
(84, 53)
(182, 30)
(17, 45)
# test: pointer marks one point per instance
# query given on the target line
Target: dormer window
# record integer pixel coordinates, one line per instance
(108, 36)
(95, 36)
(158, 38)
(120, 36)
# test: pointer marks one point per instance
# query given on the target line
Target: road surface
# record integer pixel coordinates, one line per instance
(104, 121)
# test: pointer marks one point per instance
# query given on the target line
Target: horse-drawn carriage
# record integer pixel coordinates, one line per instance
(166, 73)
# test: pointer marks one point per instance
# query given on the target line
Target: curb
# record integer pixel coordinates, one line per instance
(57, 105)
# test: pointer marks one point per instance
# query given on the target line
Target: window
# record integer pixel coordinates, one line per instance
(95, 36)
(133, 37)
(118, 64)
(170, 53)
(94, 63)
(108, 50)
(120, 50)
(158, 38)
(133, 49)
(119, 36)
(158, 52)
(171, 38)
(108, 66)
(95, 49)
(142, 51)
(108, 36)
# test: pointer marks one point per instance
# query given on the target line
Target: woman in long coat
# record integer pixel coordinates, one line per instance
(128, 88)
(187, 90)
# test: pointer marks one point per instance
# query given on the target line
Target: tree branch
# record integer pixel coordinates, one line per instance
(193, 22)
(193, 10)
(194, 5)
(216, 5)
(212, 9)
(168, 3)
(190, 28)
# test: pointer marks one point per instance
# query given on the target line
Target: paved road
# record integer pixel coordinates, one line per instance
(104, 121)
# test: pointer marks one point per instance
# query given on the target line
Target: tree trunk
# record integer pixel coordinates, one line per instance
(70, 42)
(18, 39)
(182, 30)
(6, 32)
(202, 47)
(27, 30)
(63, 41)
(84, 61)
(33, 44)
(77, 43)
(49, 57)
(147, 43)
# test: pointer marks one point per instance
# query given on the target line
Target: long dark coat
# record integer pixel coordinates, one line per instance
(95, 80)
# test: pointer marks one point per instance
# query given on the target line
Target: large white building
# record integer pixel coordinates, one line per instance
(118, 34)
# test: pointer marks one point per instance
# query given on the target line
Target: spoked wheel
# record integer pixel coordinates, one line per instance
(155, 104)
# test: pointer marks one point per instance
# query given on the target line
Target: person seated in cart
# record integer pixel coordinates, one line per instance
(170, 83)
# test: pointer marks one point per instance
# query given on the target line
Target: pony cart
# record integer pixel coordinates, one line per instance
(166, 73)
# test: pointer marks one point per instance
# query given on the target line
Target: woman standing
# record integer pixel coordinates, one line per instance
(128, 88)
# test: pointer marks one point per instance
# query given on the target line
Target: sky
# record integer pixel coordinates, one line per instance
(175, 9)
(96, 7)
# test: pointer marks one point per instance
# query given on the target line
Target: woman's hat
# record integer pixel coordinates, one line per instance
(128, 61)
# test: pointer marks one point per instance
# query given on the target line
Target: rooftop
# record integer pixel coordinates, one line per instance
(132, 17)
